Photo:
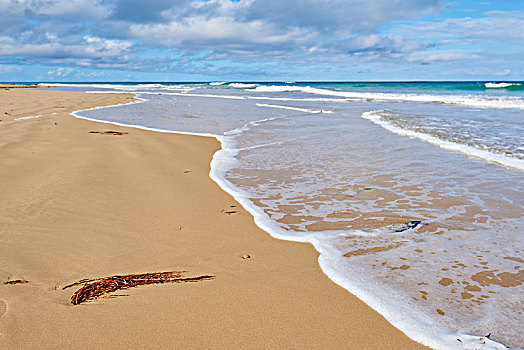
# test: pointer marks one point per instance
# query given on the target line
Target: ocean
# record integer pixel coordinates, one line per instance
(411, 192)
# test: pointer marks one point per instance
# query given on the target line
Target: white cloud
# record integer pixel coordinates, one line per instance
(494, 25)
(90, 47)
(202, 29)
(440, 56)
(105, 47)
(4, 68)
(197, 35)
(244, 24)
(503, 72)
(60, 72)
(88, 9)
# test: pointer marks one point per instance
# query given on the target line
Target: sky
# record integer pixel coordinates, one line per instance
(261, 40)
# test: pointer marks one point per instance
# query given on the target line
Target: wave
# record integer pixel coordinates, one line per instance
(300, 109)
(243, 85)
(218, 83)
(227, 97)
(463, 100)
(376, 117)
(477, 101)
(500, 85)
(239, 97)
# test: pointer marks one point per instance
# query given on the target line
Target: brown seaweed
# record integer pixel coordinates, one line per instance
(16, 282)
(93, 289)
(108, 132)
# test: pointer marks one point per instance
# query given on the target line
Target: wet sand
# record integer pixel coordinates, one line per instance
(79, 204)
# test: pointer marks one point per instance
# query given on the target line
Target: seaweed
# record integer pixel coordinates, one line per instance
(93, 289)
(16, 282)
(108, 132)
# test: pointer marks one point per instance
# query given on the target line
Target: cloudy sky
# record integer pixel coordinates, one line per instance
(249, 40)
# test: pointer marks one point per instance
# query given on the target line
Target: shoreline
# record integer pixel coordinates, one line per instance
(412, 323)
(96, 205)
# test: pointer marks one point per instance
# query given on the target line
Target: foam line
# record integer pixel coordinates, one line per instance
(375, 117)
(77, 115)
(463, 100)
(237, 97)
(242, 85)
(499, 85)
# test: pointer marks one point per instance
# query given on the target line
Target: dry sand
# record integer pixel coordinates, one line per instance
(80, 205)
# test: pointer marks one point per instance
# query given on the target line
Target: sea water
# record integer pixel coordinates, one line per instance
(411, 192)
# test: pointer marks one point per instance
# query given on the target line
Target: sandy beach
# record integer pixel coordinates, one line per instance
(78, 202)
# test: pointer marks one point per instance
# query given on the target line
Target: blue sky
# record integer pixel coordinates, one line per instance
(250, 40)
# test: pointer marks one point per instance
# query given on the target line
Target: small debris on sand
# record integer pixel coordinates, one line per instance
(109, 132)
(228, 212)
(246, 256)
(97, 288)
(16, 282)
(411, 225)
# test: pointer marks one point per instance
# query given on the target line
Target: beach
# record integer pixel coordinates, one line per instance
(79, 202)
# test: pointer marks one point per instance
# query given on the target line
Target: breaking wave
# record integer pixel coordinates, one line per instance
(379, 118)
(478, 101)
(500, 85)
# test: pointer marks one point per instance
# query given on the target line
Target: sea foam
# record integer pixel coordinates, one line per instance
(500, 85)
(243, 85)
(464, 100)
(376, 117)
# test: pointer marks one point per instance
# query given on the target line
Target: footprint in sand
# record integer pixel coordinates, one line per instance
(3, 307)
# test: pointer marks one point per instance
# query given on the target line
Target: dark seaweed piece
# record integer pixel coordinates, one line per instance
(98, 288)
(16, 282)
(108, 132)
(411, 225)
